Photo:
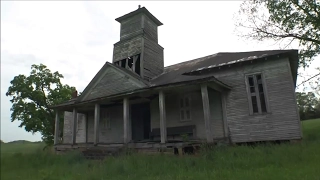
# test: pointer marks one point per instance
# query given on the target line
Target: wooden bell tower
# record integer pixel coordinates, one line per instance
(138, 49)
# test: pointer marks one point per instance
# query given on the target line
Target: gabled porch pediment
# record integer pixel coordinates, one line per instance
(111, 80)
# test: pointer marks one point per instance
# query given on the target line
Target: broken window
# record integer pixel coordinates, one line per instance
(256, 94)
(185, 108)
(132, 63)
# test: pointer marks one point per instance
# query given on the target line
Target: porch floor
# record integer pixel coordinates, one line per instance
(134, 145)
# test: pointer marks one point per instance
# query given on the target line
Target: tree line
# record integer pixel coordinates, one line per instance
(308, 104)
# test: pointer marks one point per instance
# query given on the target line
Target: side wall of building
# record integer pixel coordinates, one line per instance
(281, 122)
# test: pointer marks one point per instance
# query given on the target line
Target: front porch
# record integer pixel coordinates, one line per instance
(92, 151)
(152, 120)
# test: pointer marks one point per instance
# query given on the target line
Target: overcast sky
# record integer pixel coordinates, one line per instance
(76, 38)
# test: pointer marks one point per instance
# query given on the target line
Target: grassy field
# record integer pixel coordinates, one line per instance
(286, 161)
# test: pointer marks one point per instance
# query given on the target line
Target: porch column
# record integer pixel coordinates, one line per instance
(74, 125)
(206, 112)
(56, 129)
(162, 110)
(96, 123)
(86, 126)
(126, 122)
(224, 113)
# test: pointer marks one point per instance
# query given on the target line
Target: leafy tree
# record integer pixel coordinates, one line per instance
(284, 21)
(33, 95)
(309, 105)
(315, 84)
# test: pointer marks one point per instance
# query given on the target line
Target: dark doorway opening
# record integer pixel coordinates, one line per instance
(141, 121)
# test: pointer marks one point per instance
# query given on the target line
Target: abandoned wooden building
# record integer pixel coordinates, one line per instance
(136, 102)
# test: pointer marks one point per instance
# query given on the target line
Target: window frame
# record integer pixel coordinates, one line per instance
(184, 108)
(105, 119)
(257, 94)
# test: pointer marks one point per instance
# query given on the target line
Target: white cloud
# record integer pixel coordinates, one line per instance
(76, 38)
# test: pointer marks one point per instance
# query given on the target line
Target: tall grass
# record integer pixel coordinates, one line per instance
(285, 161)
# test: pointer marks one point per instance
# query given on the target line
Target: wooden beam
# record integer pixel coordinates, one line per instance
(126, 122)
(162, 110)
(224, 113)
(86, 127)
(74, 125)
(135, 58)
(56, 130)
(127, 66)
(206, 112)
(96, 123)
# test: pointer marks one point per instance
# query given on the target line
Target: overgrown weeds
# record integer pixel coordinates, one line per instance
(265, 161)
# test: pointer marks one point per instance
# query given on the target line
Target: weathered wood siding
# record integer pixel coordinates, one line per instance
(281, 123)
(127, 48)
(113, 82)
(81, 129)
(197, 117)
(150, 29)
(130, 26)
(153, 62)
(114, 134)
(215, 102)
(67, 128)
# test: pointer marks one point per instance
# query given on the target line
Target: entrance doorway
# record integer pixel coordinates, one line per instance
(141, 121)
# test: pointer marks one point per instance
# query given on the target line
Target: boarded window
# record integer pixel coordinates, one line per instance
(256, 94)
(185, 108)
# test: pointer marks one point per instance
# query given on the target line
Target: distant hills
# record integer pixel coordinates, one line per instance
(20, 142)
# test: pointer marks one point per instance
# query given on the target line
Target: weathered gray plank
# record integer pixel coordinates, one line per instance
(162, 110)
(113, 82)
(206, 112)
(56, 130)
(96, 123)
(126, 120)
(74, 125)
(224, 112)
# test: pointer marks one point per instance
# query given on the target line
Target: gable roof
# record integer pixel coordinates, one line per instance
(191, 70)
(119, 79)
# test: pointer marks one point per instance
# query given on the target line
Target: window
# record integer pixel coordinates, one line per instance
(185, 108)
(256, 94)
(132, 63)
(105, 119)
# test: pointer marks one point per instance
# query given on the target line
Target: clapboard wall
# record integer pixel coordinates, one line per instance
(281, 122)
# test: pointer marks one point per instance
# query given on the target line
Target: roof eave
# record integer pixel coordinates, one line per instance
(177, 84)
(138, 11)
(291, 53)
